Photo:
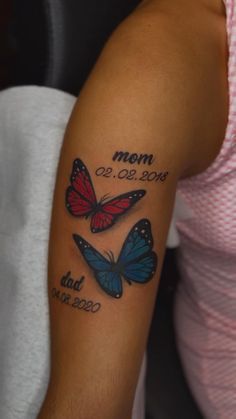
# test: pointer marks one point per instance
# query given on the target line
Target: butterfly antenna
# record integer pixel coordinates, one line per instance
(108, 255)
(104, 197)
(129, 282)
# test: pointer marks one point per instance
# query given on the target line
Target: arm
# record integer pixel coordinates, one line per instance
(126, 106)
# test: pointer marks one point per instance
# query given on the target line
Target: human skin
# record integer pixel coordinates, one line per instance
(159, 88)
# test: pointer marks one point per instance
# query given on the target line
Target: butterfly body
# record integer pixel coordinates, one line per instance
(81, 200)
(137, 262)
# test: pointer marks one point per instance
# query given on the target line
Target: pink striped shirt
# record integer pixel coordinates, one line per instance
(205, 310)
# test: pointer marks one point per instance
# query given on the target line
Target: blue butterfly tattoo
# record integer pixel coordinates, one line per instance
(136, 262)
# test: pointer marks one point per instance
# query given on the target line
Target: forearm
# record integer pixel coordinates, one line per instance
(99, 347)
(101, 344)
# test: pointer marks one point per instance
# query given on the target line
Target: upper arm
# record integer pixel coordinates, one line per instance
(131, 130)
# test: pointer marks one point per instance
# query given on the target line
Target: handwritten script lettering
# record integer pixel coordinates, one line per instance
(68, 282)
(132, 158)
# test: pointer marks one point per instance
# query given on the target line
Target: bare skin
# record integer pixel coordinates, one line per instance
(159, 88)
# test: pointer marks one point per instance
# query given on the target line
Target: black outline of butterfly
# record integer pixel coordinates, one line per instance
(109, 273)
(100, 212)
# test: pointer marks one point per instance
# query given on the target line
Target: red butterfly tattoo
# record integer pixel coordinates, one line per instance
(81, 200)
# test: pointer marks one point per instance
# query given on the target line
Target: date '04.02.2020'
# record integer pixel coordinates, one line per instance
(75, 302)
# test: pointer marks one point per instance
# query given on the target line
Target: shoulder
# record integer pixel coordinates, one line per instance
(162, 34)
(172, 63)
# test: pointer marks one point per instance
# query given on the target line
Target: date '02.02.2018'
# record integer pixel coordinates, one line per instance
(131, 174)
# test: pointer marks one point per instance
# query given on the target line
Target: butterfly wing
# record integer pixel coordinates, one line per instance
(107, 278)
(110, 282)
(108, 212)
(143, 270)
(137, 259)
(76, 204)
(80, 196)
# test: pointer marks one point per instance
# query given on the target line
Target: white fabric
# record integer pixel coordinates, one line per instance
(32, 124)
(181, 211)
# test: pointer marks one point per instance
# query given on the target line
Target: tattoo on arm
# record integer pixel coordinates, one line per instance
(133, 174)
(75, 302)
(68, 282)
(137, 262)
(81, 200)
